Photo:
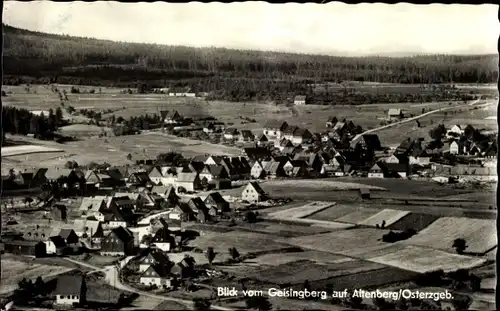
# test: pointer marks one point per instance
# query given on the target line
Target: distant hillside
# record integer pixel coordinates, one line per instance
(38, 57)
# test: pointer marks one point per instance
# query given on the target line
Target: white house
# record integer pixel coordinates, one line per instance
(299, 100)
(274, 128)
(257, 170)
(70, 290)
(455, 130)
(253, 193)
(93, 206)
(395, 113)
(230, 133)
(188, 181)
(376, 172)
(390, 159)
(454, 148)
(156, 275)
(139, 232)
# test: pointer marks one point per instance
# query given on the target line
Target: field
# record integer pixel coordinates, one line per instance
(284, 258)
(302, 211)
(14, 271)
(27, 149)
(413, 221)
(480, 234)
(114, 150)
(344, 242)
(388, 215)
(421, 260)
(245, 242)
(282, 230)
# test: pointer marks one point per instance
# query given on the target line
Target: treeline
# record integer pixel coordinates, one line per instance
(53, 57)
(21, 121)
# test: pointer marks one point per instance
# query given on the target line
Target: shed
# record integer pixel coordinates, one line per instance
(365, 193)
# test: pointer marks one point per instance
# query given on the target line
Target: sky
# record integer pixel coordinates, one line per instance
(333, 28)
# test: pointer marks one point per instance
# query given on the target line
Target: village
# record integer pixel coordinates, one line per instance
(146, 217)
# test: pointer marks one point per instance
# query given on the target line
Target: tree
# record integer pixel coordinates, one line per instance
(475, 282)
(210, 254)
(438, 132)
(260, 303)
(59, 116)
(234, 253)
(200, 304)
(129, 157)
(39, 286)
(251, 217)
(461, 302)
(460, 245)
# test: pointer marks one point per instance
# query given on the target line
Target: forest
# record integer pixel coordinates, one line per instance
(236, 75)
(21, 121)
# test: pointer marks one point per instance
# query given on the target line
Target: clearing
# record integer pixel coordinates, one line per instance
(344, 213)
(421, 260)
(14, 271)
(390, 216)
(284, 258)
(480, 234)
(415, 221)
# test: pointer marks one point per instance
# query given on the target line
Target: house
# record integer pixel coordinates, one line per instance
(216, 204)
(283, 143)
(246, 136)
(183, 268)
(241, 167)
(288, 132)
(195, 166)
(154, 257)
(119, 242)
(182, 212)
(420, 157)
(119, 216)
(27, 248)
(370, 143)
(167, 193)
(299, 100)
(138, 179)
(67, 178)
(230, 133)
(89, 229)
(211, 172)
(262, 141)
(454, 147)
(331, 122)
(156, 175)
(395, 170)
(342, 170)
(300, 136)
(313, 160)
(197, 205)
(55, 245)
(257, 170)
(376, 171)
(275, 128)
(209, 128)
(31, 178)
(274, 169)
(171, 117)
(291, 164)
(365, 193)
(390, 159)
(257, 154)
(214, 160)
(70, 290)
(98, 180)
(163, 240)
(395, 113)
(93, 207)
(253, 193)
(69, 237)
(150, 201)
(188, 182)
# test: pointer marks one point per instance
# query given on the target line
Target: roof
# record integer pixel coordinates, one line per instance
(257, 153)
(372, 141)
(231, 131)
(275, 124)
(162, 190)
(186, 177)
(64, 233)
(123, 234)
(201, 158)
(69, 285)
(291, 129)
(80, 225)
(93, 203)
(338, 126)
(184, 208)
(247, 134)
(58, 241)
(285, 143)
(197, 204)
(196, 166)
(40, 233)
(217, 159)
(300, 97)
(160, 269)
(263, 138)
(395, 167)
(55, 173)
(257, 187)
(216, 197)
(301, 132)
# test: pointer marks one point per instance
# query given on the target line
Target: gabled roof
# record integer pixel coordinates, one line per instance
(301, 132)
(55, 173)
(196, 166)
(93, 204)
(65, 233)
(216, 197)
(140, 176)
(231, 131)
(197, 204)
(186, 177)
(58, 241)
(257, 187)
(300, 97)
(372, 141)
(285, 143)
(184, 208)
(162, 235)
(40, 233)
(338, 126)
(247, 134)
(69, 285)
(123, 234)
(395, 167)
(276, 124)
(262, 138)
(161, 270)
(80, 225)
(201, 158)
(394, 111)
(217, 159)
(163, 190)
(290, 130)
(216, 170)
(257, 153)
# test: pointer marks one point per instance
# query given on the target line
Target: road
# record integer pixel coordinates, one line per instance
(112, 278)
(472, 103)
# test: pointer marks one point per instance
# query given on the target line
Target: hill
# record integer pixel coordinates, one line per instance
(34, 57)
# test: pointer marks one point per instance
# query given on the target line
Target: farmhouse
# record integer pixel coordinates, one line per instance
(253, 193)
(182, 212)
(230, 133)
(246, 136)
(275, 128)
(262, 141)
(31, 178)
(300, 136)
(154, 257)
(188, 182)
(93, 207)
(89, 229)
(216, 204)
(257, 154)
(70, 290)
(29, 248)
(167, 193)
(163, 240)
(257, 170)
(395, 113)
(299, 100)
(376, 171)
(331, 121)
(171, 117)
(119, 242)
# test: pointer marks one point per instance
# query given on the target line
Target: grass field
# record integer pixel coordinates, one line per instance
(302, 211)
(339, 211)
(284, 258)
(421, 260)
(390, 216)
(357, 216)
(343, 242)
(480, 234)
(415, 221)
(114, 150)
(14, 271)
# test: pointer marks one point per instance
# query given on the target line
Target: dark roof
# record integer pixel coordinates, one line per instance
(64, 233)
(395, 167)
(231, 131)
(262, 138)
(58, 241)
(160, 269)
(247, 134)
(197, 203)
(301, 132)
(257, 188)
(69, 285)
(123, 234)
(372, 141)
(300, 97)
(201, 158)
(291, 129)
(161, 235)
(217, 159)
(184, 208)
(276, 124)
(197, 166)
(216, 197)
(216, 170)
(257, 153)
